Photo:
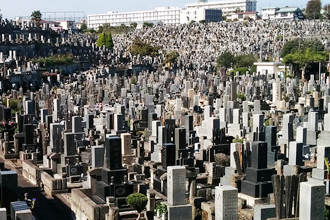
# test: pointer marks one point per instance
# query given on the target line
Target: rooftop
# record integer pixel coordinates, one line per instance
(218, 2)
(287, 9)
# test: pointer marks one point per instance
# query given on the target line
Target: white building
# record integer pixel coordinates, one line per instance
(288, 13)
(265, 68)
(242, 16)
(200, 14)
(227, 7)
(166, 15)
(67, 25)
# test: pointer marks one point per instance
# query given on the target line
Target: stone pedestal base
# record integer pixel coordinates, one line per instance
(289, 170)
(182, 212)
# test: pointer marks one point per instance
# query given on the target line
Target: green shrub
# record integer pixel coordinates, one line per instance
(142, 48)
(171, 57)
(267, 122)
(241, 96)
(241, 70)
(138, 201)
(105, 40)
(61, 59)
(162, 208)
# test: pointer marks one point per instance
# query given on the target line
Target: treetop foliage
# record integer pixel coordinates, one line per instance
(301, 44)
(138, 201)
(171, 57)
(313, 9)
(142, 48)
(36, 16)
(228, 60)
(105, 39)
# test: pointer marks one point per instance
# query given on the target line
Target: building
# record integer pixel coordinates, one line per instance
(79, 24)
(227, 7)
(288, 13)
(269, 13)
(200, 14)
(166, 15)
(242, 16)
(265, 68)
(67, 25)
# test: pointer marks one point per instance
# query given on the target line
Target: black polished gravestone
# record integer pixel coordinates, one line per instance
(113, 153)
(144, 115)
(270, 138)
(6, 114)
(168, 155)
(169, 133)
(103, 190)
(189, 122)
(29, 134)
(179, 139)
(258, 181)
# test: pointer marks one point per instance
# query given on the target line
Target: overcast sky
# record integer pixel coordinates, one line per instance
(13, 8)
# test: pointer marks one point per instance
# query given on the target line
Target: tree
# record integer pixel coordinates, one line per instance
(326, 13)
(171, 57)
(142, 48)
(148, 24)
(245, 61)
(226, 60)
(295, 45)
(83, 26)
(304, 58)
(100, 29)
(105, 40)
(36, 16)
(138, 201)
(313, 9)
(107, 28)
(133, 25)
(108, 41)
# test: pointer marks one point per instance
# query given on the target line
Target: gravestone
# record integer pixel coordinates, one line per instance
(168, 155)
(97, 154)
(226, 203)
(113, 158)
(258, 181)
(180, 140)
(176, 182)
(311, 202)
(126, 146)
(263, 212)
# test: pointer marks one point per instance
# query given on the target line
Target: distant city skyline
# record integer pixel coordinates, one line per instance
(10, 10)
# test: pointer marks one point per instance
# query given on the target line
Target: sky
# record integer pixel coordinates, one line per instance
(14, 8)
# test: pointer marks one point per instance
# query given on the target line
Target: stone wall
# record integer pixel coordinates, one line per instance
(31, 172)
(86, 209)
(53, 186)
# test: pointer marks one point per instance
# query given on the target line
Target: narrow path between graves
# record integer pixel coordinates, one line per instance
(44, 208)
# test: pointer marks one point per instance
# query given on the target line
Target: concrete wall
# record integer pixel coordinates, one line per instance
(86, 209)
(30, 172)
(52, 186)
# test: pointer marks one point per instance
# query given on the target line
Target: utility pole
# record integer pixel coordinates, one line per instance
(283, 34)
(329, 66)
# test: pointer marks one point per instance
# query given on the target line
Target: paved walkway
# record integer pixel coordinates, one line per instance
(44, 208)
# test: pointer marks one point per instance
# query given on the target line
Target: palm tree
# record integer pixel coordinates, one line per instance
(36, 16)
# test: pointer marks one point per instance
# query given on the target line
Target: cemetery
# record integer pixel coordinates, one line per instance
(107, 134)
